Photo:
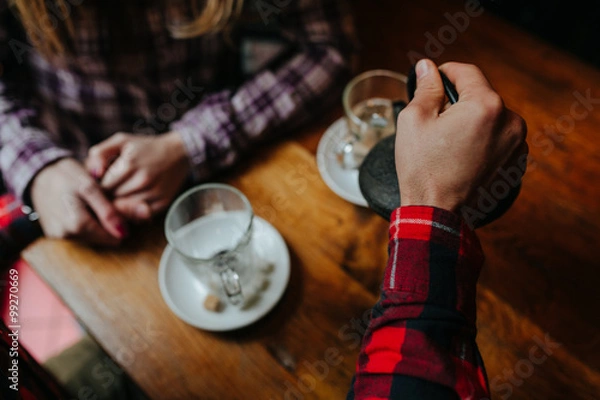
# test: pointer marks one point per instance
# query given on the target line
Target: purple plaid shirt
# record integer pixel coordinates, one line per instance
(48, 111)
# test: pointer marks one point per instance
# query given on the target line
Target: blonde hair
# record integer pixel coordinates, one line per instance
(50, 33)
(216, 16)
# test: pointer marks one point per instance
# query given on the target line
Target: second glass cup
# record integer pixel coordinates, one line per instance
(369, 102)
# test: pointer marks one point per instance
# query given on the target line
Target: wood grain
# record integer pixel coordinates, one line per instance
(541, 276)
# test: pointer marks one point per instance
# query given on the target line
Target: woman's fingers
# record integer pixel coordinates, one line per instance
(119, 171)
(136, 207)
(79, 223)
(107, 214)
(141, 206)
(92, 232)
(103, 154)
(159, 205)
(146, 173)
(138, 182)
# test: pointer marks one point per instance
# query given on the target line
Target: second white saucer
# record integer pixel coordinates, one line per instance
(343, 182)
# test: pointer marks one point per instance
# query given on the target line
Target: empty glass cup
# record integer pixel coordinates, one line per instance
(210, 226)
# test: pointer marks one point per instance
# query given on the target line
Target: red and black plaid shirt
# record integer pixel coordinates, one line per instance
(420, 343)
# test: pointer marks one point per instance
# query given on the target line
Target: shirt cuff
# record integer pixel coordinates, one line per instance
(435, 258)
(208, 126)
(21, 161)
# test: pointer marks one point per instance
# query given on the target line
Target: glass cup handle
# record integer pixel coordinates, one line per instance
(231, 283)
(229, 278)
(347, 153)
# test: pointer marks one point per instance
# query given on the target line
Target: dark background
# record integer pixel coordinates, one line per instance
(572, 25)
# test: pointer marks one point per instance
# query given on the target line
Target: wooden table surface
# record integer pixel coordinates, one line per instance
(542, 274)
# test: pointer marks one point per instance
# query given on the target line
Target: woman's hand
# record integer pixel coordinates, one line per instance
(143, 173)
(72, 205)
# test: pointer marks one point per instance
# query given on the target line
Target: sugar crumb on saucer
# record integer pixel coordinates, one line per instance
(267, 267)
(212, 303)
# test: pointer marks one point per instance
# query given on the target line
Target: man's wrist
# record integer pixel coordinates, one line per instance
(443, 202)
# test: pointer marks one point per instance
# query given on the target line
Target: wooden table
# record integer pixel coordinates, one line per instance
(542, 275)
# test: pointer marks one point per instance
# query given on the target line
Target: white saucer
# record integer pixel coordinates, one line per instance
(184, 294)
(343, 182)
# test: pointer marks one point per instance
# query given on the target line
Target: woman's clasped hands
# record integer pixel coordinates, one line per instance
(126, 178)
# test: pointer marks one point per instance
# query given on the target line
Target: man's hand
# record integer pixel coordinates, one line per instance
(143, 173)
(444, 155)
(72, 205)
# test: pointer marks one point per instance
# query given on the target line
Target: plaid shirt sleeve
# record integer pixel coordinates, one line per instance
(420, 343)
(24, 149)
(217, 130)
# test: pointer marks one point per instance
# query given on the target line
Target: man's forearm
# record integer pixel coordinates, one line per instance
(420, 342)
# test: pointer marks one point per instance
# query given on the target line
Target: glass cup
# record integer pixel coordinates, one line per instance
(370, 101)
(210, 226)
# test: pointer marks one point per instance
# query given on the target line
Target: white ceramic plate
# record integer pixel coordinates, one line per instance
(185, 294)
(343, 182)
